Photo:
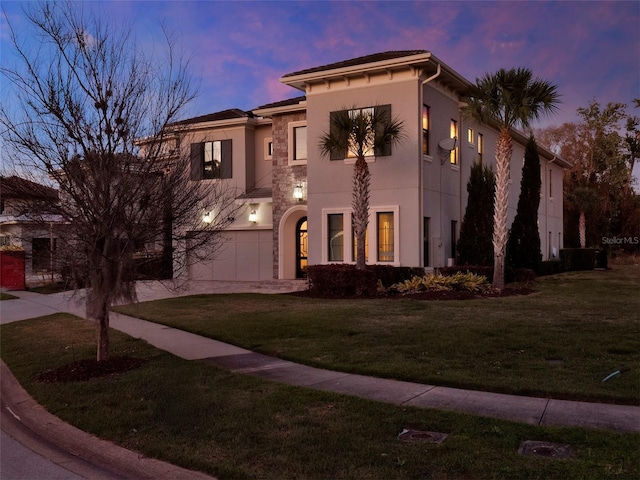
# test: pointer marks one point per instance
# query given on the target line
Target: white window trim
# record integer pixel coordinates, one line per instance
(347, 237)
(267, 141)
(372, 230)
(471, 132)
(352, 160)
(291, 128)
(373, 234)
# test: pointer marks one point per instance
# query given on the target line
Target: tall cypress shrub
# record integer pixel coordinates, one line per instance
(475, 245)
(523, 248)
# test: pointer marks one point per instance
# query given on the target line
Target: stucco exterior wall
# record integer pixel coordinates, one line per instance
(263, 162)
(394, 179)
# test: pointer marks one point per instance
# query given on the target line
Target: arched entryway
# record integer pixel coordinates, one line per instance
(302, 248)
(292, 243)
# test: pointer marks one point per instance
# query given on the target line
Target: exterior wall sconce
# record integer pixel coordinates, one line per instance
(207, 217)
(253, 216)
(297, 192)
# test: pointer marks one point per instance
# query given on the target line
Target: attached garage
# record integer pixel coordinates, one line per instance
(246, 255)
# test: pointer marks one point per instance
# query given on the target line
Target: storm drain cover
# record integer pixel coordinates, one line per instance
(545, 449)
(421, 436)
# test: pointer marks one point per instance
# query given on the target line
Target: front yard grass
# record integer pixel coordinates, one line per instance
(7, 296)
(561, 342)
(239, 427)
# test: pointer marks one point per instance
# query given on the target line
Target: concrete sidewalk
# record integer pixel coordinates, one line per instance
(532, 410)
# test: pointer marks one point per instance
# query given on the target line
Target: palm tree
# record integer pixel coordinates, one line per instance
(509, 98)
(584, 200)
(361, 133)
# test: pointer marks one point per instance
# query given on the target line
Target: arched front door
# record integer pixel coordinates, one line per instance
(301, 247)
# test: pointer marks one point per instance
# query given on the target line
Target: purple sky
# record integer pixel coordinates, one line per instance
(590, 49)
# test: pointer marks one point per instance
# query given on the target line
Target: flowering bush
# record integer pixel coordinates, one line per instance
(467, 282)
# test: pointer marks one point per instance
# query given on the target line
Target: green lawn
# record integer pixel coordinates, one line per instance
(7, 296)
(240, 427)
(561, 342)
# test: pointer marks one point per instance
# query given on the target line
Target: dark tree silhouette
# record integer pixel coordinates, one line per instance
(523, 249)
(474, 245)
(100, 119)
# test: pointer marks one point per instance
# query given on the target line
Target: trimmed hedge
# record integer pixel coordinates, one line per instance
(389, 275)
(344, 280)
(550, 267)
(341, 280)
(578, 258)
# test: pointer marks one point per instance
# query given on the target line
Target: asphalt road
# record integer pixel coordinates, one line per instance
(25, 455)
(17, 462)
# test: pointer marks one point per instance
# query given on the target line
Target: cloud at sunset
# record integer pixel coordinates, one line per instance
(239, 50)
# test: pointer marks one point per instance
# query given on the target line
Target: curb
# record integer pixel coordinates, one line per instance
(113, 459)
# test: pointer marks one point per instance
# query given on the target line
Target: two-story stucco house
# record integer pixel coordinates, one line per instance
(297, 202)
(23, 224)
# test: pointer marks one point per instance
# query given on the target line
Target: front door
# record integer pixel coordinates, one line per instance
(301, 248)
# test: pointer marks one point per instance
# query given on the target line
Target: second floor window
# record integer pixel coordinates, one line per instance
(364, 113)
(297, 142)
(425, 130)
(211, 160)
(480, 148)
(454, 134)
(300, 143)
(381, 112)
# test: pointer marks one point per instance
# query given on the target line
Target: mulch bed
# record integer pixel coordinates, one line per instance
(457, 295)
(432, 295)
(85, 370)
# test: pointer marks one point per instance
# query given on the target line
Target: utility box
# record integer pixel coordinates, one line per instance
(12, 270)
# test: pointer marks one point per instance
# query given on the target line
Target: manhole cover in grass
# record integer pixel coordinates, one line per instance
(555, 361)
(421, 436)
(545, 449)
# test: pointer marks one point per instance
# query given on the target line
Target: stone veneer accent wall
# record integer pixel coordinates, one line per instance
(285, 177)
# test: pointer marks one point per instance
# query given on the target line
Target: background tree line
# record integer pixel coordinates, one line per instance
(601, 200)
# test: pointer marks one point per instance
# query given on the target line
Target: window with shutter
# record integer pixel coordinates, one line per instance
(211, 160)
(382, 114)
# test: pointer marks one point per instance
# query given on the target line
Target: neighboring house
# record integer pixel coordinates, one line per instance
(24, 225)
(298, 202)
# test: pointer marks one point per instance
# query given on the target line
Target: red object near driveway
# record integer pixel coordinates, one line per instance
(12, 270)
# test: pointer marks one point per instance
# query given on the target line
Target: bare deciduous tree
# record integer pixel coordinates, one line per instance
(100, 118)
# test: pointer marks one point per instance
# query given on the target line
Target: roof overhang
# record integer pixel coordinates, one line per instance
(257, 195)
(424, 64)
(550, 157)
(281, 109)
